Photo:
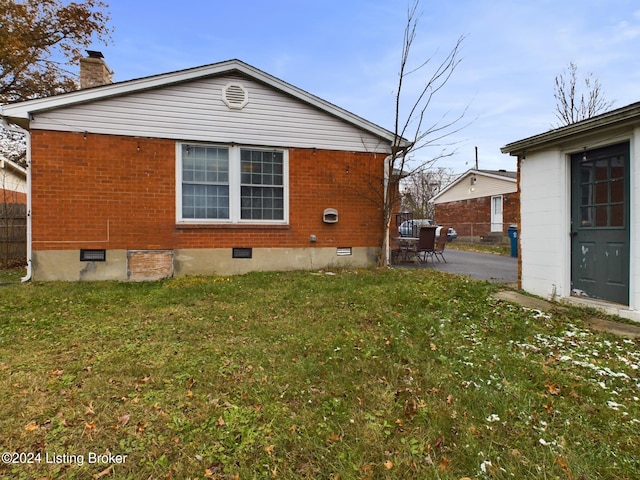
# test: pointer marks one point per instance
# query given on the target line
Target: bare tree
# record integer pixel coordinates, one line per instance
(414, 129)
(574, 104)
(418, 189)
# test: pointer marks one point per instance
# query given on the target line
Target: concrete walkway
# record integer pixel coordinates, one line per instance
(600, 324)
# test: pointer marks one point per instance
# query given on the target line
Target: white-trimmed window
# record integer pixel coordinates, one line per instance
(231, 184)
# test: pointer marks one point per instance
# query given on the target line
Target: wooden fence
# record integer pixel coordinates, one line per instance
(13, 234)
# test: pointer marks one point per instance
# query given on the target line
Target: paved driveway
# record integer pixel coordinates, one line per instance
(480, 266)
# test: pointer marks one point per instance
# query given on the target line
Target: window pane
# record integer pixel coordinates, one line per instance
(602, 219)
(586, 194)
(262, 203)
(617, 167)
(586, 214)
(262, 195)
(205, 179)
(205, 201)
(602, 169)
(262, 167)
(617, 215)
(602, 192)
(617, 191)
(205, 164)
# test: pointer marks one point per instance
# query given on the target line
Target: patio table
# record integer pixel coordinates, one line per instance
(406, 245)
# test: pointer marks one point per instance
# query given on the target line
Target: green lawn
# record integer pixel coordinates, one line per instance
(368, 374)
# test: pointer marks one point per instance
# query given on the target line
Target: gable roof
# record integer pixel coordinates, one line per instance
(21, 112)
(620, 117)
(495, 174)
(5, 163)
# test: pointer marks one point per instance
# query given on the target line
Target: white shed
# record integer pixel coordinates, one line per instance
(580, 221)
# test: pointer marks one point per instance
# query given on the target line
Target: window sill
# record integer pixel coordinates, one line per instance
(231, 226)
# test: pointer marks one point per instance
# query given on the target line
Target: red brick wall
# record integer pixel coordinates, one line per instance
(11, 196)
(472, 217)
(88, 189)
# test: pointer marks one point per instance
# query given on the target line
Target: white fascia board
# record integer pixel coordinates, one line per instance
(6, 163)
(24, 110)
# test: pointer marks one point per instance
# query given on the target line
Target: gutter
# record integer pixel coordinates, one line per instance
(17, 129)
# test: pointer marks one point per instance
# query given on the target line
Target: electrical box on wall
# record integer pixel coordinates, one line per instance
(330, 215)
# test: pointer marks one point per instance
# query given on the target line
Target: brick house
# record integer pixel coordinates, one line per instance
(13, 182)
(479, 204)
(216, 169)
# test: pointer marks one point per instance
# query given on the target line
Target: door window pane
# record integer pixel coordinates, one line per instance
(602, 192)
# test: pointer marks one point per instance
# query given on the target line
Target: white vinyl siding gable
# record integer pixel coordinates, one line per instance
(196, 111)
(484, 186)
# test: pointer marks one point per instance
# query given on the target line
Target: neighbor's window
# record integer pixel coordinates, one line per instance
(218, 184)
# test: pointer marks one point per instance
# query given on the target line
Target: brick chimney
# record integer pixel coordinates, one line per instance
(94, 71)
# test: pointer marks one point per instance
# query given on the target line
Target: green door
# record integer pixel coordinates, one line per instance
(600, 223)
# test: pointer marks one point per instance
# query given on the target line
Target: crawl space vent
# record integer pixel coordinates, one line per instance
(93, 255)
(238, 252)
(343, 251)
(235, 96)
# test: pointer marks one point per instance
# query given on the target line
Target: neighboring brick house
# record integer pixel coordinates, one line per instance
(479, 204)
(13, 182)
(216, 169)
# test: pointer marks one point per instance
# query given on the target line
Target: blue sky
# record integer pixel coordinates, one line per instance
(348, 51)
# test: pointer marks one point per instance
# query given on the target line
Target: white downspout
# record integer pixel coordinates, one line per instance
(387, 177)
(15, 128)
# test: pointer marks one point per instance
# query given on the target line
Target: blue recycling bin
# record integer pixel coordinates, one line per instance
(513, 235)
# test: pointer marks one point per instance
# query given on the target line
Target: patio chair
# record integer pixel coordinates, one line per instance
(426, 244)
(438, 251)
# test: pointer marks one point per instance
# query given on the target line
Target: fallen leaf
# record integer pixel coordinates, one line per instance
(31, 426)
(449, 399)
(553, 388)
(334, 437)
(269, 449)
(388, 464)
(103, 473)
(221, 422)
(124, 419)
(140, 427)
(89, 409)
(444, 464)
(89, 427)
(433, 347)
(189, 394)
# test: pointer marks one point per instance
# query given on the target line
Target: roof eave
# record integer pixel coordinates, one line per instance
(20, 113)
(614, 119)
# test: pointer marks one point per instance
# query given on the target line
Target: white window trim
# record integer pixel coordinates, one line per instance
(497, 226)
(234, 187)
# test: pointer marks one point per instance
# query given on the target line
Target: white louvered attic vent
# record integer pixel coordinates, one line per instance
(235, 96)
